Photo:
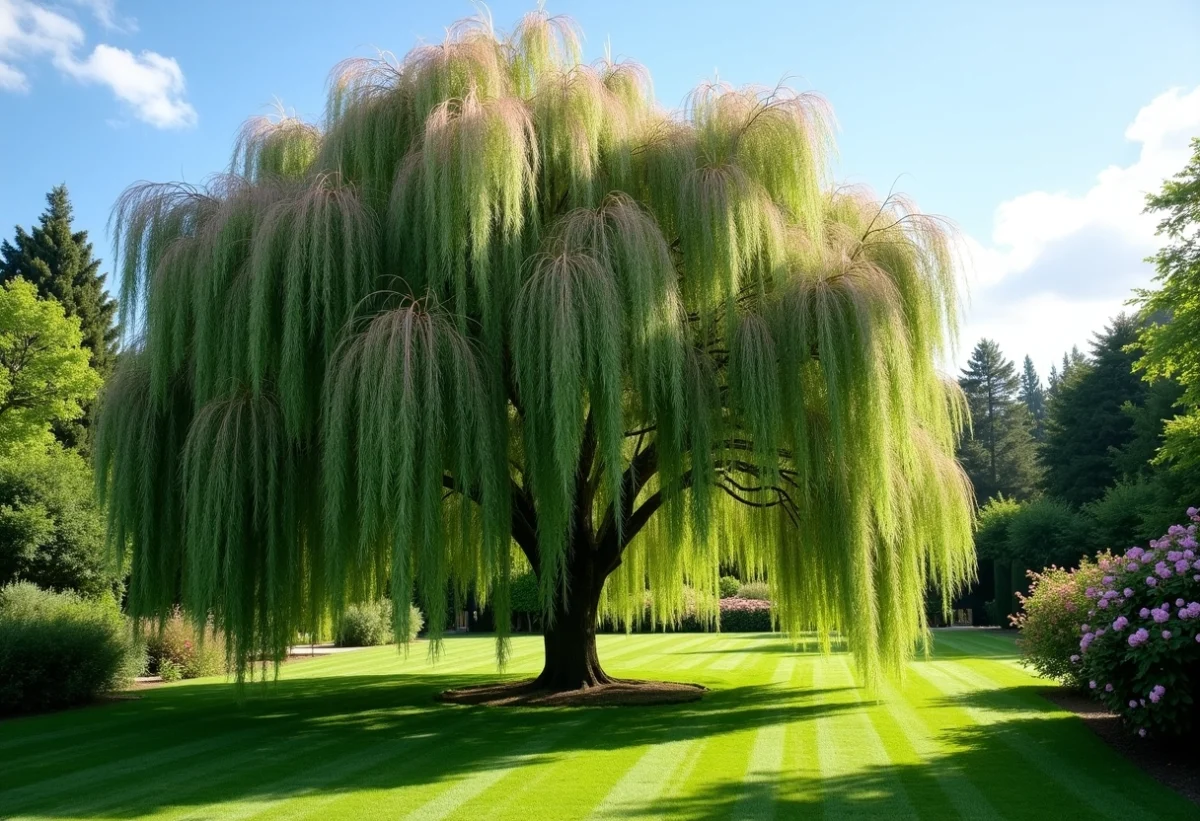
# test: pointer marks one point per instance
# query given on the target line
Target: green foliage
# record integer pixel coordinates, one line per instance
(1033, 396)
(1170, 339)
(728, 586)
(1045, 532)
(176, 649)
(998, 452)
(51, 529)
(759, 591)
(525, 595)
(502, 297)
(1089, 418)
(59, 263)
(1049, 621)
(44, 373)
(1131, 512)
(370, 624)
(992, 528)
(58, 650)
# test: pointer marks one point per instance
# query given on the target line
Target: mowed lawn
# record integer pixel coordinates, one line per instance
(783, 734)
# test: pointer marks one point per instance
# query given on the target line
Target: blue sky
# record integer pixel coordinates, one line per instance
(1035, 126)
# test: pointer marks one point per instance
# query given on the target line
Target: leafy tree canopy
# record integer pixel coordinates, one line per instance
(60, 264)
(502, 298)
(44, 371)
(1170, 341)
(51, 529)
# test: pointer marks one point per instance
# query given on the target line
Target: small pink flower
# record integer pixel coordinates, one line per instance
(1151, 581)
(1166, 635)
(1108, 688)
(1142, 732)
(1092, 684)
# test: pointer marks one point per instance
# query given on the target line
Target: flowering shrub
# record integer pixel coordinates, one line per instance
(739, 615)
(1050, 619)
(1140, 644)
(175, 649)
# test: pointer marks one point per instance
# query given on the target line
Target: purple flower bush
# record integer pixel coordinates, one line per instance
(1050, 619)
(1139, 633)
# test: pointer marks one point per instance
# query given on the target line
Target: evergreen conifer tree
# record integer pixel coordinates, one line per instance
(1034, 396)
(998, 453)
(59, 262)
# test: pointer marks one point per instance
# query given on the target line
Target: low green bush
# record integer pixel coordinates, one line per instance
(369, 624)
(728, 586)
(754, 590)
(177, 649)
(59, 649)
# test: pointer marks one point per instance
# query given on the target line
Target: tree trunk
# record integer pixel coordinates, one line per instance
(571, 659)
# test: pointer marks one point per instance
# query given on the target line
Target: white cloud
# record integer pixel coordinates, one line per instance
(1059, 265)
(12, 79)
(105, 12)
(149, 83)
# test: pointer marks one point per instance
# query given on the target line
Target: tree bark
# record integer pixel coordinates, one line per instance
(570, 640)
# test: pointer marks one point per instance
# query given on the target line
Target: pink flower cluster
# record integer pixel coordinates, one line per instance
(1146, 593)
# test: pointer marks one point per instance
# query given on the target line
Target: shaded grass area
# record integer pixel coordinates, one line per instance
(783, 734)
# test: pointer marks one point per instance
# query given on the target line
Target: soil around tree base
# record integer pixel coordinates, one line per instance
(1175, 766)
(616, 693)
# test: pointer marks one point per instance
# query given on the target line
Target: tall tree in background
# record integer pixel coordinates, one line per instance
(1033, 395)
(1170, 339)
(503, 299)
(998, 453)
(44, 372)
(60, 264)
(1089, 420)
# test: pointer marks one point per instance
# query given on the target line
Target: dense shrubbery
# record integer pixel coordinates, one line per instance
(1140, 645)
(1050, 619)
(369, 624)
(176, 649)
(754, 590)
(58, 649)
(727, 586)
(744, 615)
(51, 529)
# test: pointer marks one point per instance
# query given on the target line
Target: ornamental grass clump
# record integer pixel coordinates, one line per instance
(1050, 619)
(1140, 645)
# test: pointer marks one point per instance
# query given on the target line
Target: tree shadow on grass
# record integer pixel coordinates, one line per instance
(329, 738)
(200, 744)
(1027, 768)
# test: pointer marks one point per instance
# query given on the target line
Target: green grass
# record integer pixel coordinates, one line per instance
(782, 735)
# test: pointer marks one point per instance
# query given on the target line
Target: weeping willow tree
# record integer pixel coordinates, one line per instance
(501, 309)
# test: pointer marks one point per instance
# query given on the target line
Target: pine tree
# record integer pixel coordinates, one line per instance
(1088, 421)
(1034, 396)
(502, 299)
(998, 453)
(60, 264)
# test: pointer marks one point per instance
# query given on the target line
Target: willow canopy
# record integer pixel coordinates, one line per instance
(502, 308)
